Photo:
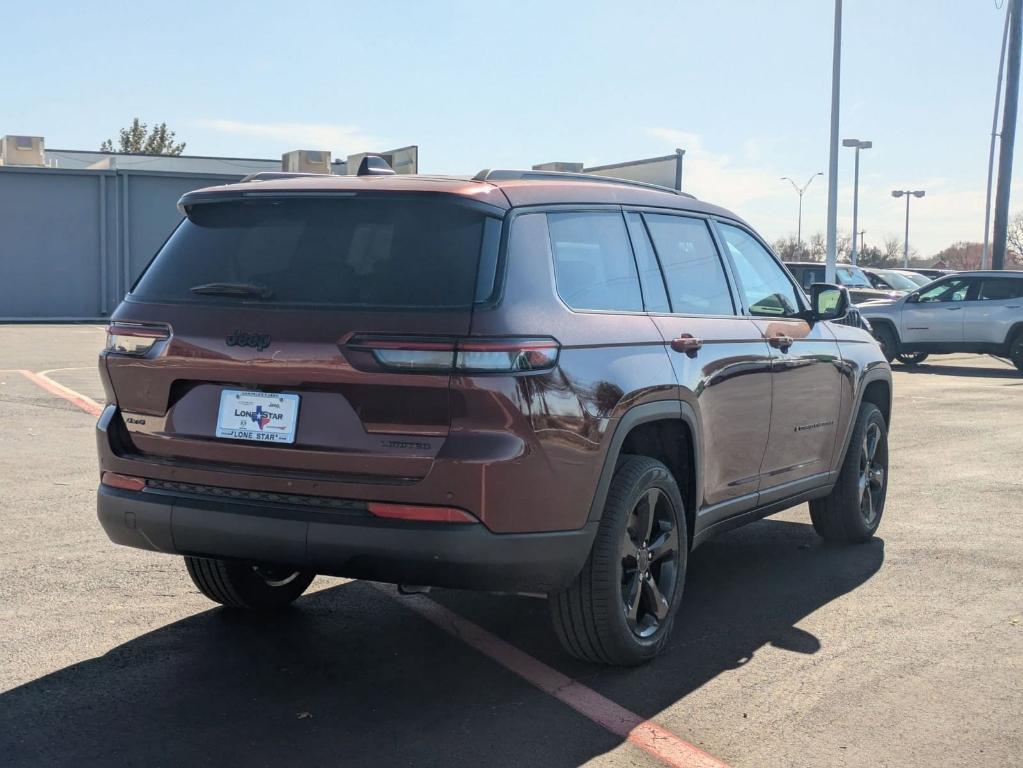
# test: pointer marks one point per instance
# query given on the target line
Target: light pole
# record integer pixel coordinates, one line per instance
(799, 191)
(836, 77)
(908, 194)
(856, 186)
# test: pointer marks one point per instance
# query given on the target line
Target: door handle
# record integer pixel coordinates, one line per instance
(780, 341)
(688, 344)
(952, 309)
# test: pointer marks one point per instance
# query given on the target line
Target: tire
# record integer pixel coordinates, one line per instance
(592, 617)
(1016, 352)
(912, 358)
(843, 515)
(238, 584)
(889, 342)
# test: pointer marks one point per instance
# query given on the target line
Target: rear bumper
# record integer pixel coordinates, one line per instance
(341, 544)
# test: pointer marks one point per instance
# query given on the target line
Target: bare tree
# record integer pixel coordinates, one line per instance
(138, 139)
(892, 249)
(872, 256)
(1014, 239)
(961, 255)
(818, 248)
(789, 249)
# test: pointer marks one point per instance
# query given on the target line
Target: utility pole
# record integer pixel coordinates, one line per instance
(1001, 227)
(836, 80)
(986, 253)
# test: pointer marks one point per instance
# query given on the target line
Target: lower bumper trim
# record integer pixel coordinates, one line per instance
(400, 552)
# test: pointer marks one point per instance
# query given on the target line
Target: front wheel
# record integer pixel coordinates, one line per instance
(238, 584)
(889, 343)
(852, 511)
(1016, 352)
(622, 604)
(912, 358)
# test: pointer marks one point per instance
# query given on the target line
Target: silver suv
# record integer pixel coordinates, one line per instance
(979, 312)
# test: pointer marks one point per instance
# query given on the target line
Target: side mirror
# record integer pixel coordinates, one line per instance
(829, 302)
(913, 298)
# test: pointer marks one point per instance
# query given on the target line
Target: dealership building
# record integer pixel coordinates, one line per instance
(77, 227)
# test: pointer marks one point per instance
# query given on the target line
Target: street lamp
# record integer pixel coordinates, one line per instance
(908, 194)
(856, 186)
(799, 191)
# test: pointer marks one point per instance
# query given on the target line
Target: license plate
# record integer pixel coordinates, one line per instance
(266, 417)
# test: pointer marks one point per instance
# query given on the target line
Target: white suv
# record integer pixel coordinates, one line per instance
(978, 312)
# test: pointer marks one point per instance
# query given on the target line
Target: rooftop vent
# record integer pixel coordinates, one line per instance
(22, 150)
(306, 161)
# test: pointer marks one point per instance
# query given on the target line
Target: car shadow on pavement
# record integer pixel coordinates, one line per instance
(960, 370)
(351, 677)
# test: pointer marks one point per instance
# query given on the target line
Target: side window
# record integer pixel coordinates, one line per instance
(812, 275)
(692, 268)
(654, 296)
(953, 289)
(593, 263)
(1001, 289)
(766, 286)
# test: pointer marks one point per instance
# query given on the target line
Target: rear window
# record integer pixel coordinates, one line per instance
(367, 252)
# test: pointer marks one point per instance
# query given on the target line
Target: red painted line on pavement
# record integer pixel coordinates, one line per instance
(87, 404)
(645, 734)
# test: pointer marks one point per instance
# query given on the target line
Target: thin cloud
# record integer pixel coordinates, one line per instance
(718, 177)
(753, 189)
(345, 139)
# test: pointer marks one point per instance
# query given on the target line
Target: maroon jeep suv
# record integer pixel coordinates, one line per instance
(520, 382)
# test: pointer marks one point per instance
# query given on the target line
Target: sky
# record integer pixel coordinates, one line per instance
(743, 86)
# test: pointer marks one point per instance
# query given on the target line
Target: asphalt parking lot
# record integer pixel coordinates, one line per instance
(907, 651)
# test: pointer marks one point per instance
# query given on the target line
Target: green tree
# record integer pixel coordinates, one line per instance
(138, 139)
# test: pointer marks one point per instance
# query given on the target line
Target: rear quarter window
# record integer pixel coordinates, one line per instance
(593, 263)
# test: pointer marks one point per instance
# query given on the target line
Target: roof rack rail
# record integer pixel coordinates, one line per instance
(271, 175)
(510, 175)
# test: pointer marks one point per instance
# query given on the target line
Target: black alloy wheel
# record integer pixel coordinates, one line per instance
(650, 554)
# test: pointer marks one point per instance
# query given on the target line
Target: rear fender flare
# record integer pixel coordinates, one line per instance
(1014, 331)
(642, 414)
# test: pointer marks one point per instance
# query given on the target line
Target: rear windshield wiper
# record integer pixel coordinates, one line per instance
(233, 289)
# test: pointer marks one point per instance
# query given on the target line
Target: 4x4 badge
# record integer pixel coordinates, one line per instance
(245, 339)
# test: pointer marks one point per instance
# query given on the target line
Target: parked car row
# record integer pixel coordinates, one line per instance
(848, 275)
(917, 313)
(979, 312)
(904, 280)
(866, 283)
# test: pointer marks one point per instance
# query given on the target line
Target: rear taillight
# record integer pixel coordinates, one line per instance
(135, 339)
(469, 355)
